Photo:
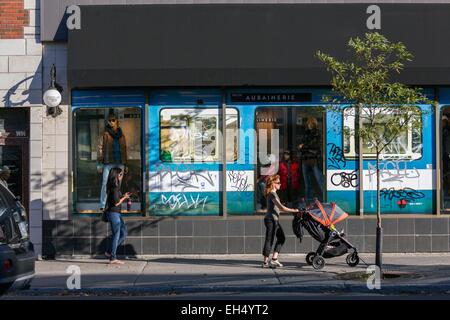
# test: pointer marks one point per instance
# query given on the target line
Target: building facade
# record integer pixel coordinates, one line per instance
(174, 76)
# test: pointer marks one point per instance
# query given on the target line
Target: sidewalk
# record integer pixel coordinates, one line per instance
(172, 275)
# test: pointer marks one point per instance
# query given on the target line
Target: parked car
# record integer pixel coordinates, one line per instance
(17, 258)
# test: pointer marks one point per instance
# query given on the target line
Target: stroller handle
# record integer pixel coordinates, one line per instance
(299, 213)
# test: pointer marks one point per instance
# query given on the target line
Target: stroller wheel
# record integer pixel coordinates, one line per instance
(318, 262)
(309, 258)
(352, 259)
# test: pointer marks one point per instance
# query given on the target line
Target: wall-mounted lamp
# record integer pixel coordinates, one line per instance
(52, 96)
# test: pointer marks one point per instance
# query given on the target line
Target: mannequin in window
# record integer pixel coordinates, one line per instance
(112, 153)
(5, 174)
(310, 153)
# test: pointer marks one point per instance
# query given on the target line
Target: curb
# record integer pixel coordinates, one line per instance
(174, 290)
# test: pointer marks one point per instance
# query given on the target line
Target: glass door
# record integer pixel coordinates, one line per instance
(11, 169)
(299, 157)
(14, 152)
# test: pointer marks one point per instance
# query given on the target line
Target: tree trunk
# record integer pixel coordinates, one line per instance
(379, 237)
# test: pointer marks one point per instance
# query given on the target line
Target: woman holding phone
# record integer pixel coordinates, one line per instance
(113, 209)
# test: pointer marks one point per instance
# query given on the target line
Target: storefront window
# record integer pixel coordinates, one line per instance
(106, 138)
(193, 135)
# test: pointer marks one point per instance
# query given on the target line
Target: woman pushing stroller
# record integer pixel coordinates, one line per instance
(271, 221)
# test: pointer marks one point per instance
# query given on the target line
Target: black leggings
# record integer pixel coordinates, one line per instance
(273, 228)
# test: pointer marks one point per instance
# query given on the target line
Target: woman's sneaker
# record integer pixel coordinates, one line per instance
(265, 265)
(275, 264)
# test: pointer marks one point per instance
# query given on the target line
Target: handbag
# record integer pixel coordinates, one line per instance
(105, 216)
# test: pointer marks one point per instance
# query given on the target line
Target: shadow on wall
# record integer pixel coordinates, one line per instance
(62, 238)
(16, 97)
(8, 99)
(56, 180)
(78, 246)
(61, 33)
(51, 184)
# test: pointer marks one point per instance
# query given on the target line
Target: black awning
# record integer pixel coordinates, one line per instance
(236, 44)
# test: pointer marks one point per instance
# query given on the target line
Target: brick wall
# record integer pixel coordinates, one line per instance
(13, 19)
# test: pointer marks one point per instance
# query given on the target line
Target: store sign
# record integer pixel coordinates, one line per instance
(271, 97)
(373, 22)
(74, 18)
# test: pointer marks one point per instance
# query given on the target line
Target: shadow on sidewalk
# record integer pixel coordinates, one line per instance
(288, 264)
(210, 280)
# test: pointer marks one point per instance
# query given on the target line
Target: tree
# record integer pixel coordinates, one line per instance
(384, 110)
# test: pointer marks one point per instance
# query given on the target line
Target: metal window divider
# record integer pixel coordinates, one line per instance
(360, 163)
(438, 173)
(224, 156)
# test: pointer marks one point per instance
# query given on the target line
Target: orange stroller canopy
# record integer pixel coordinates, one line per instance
(327, 214)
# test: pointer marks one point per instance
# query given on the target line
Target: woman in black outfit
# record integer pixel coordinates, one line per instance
(113, 208)
(271, 221)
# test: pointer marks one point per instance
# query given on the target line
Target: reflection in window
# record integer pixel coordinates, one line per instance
(406, 145)
(268, 121)
(193, 135)
(95, 153)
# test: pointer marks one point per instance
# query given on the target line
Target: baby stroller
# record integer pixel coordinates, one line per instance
(319, 219)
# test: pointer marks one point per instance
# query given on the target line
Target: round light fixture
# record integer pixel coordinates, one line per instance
(52, 96)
